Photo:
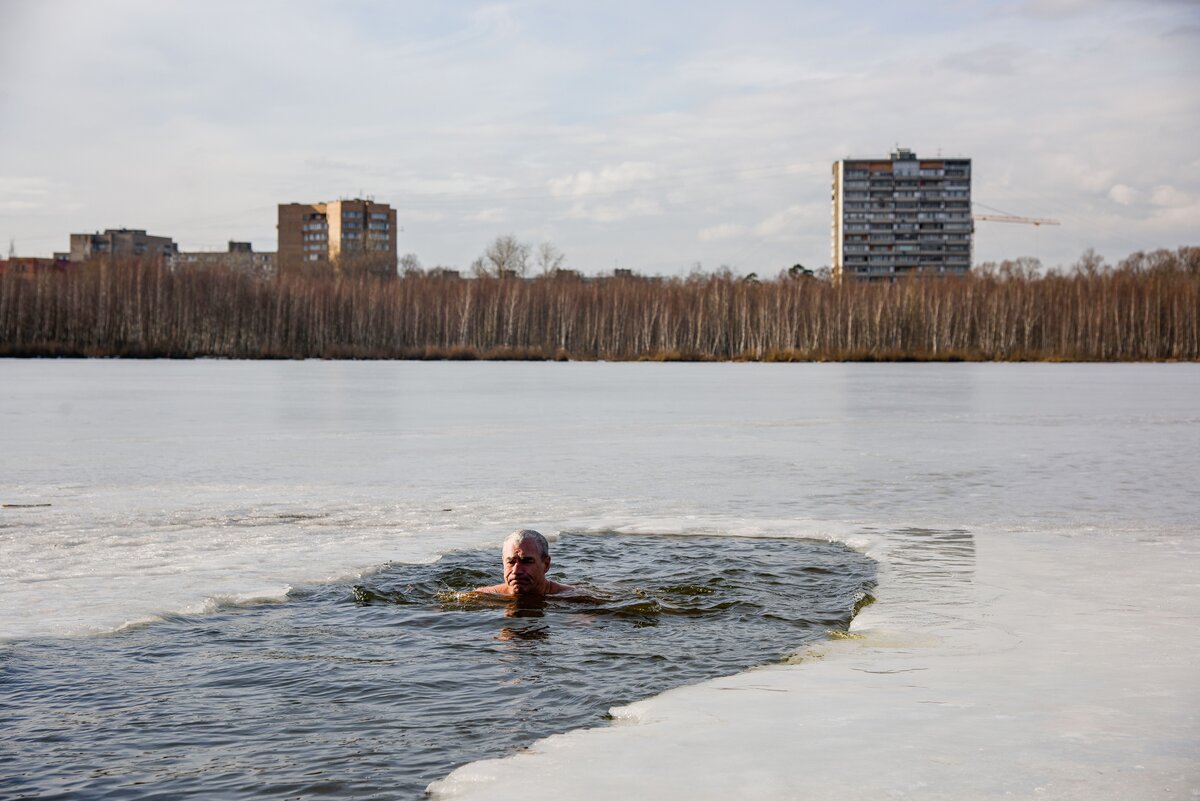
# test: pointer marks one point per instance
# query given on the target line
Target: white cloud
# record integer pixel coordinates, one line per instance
(808, 168)
(494, 214)
(1055, 9)
(1002, 58)
(606, 180)
(1078, 171)
(24, 186)
(1176, 225)
(411, 215)
(496, 19)
(647, 136)
(747, 70)
(614, 212)
(785, 224)
(23, 193)
(19, 205)
(1125, 195)
(1169, 196)
(722, 232)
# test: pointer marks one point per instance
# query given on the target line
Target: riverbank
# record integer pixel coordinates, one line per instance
(1133, 312)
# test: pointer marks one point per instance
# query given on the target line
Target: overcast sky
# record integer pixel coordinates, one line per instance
(644, 135)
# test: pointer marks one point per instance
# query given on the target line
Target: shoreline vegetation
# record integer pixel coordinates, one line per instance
(1145, 308)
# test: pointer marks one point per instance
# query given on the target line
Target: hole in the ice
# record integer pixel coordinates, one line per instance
(382, 687)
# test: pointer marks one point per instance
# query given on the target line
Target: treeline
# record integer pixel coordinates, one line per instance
(1145, 308)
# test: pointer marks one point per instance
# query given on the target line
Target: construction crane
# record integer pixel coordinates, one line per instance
(1001, 216)
(1009, 218)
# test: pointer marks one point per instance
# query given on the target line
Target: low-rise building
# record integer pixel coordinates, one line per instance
(240, 256)
(627, 274)
(563, 274)
(121, 243)
(32, 265)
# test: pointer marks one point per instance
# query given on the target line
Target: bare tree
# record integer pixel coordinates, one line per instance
(410, 264)
(1090, 263)
(549, 258)
(507, 256)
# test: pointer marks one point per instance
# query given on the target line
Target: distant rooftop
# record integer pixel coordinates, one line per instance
(907, 154)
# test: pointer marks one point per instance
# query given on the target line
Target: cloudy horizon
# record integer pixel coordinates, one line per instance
(653, 138)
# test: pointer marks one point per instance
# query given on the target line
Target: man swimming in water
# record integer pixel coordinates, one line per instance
(526, 557)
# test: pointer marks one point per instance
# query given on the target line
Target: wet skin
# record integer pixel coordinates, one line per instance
(525, 573)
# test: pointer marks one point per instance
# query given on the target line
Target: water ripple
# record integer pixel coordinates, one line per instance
(372, 691)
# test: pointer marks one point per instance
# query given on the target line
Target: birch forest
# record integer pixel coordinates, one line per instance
(1145, 307)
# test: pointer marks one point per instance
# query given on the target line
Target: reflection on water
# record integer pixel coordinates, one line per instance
(374, 691)
(941, 561)
(931, 575)
(527, 633)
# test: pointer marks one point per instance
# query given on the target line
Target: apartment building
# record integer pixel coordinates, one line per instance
(240, 256)
(121, 243)
(341, 236)
(34, 265)
(900, 216)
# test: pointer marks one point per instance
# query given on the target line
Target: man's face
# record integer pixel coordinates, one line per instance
(525, 569)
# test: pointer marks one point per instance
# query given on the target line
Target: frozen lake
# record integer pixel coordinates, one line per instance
(1036, 529)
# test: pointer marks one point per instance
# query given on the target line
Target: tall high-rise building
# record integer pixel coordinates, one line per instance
(900, 216)
(339, 236)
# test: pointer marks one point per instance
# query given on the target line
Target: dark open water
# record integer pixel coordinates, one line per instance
(373, 691)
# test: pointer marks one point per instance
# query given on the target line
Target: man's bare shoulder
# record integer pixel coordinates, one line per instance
(553, 588)
(495, 589)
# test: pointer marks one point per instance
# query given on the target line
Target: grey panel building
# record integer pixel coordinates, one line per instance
(121, 243)
(902, 215)
(240, 256)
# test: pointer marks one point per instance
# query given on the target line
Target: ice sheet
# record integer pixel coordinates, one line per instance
(1036, 526)
(1047, 665)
